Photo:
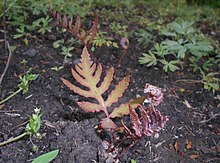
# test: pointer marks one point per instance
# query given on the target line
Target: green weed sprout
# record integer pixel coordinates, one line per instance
(23, 85)
(31, 128)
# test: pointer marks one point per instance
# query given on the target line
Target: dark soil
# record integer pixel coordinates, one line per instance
(67, 128)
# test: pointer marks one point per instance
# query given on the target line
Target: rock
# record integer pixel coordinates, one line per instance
(67, 62)
(76, 61)
(52, 37)
(30, 52)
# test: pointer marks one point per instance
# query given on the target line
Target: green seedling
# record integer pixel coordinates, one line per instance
(32, 128)
(43, 25)
(170, 66)
(210, 82)
(177, 30)
(144, 37)
(119, 29)
(133, 161)
(21, 32)
(151, 58)
(57, 68)
(46, 158)
(58, 43)
(101, 39)
(66, 51)
(23, 85)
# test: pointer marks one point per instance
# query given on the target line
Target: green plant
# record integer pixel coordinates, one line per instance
(182, 45)
(177, 30)
(210, 82)
(22, 32)
(101, 39)
(66, 47)
(175, 47)
(66, 51)
(159, 55)
(42, 24)
(119, 29)
(47, 157)
(184, 42)
(201, 67)
(57, 68)
(133, 161)
(32, 128)
(58, 43)
(23, 85)
(144, 37)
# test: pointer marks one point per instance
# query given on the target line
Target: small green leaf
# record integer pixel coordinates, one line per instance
(133, 161)
(166, 33)
(46, 158)
(181, 53)
(170, 66)
(149, 59)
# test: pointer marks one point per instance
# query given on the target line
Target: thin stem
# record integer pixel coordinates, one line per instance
(6, 99)
(189, 81)
(128, 147)
(4, 25)
(8, 62)
(8, 8)
(13, 139)
(121, 141)
(125, 51)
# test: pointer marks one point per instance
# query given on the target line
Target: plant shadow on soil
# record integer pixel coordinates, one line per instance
(67, 128)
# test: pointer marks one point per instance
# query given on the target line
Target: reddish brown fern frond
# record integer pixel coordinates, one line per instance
(150, 122)
(88, 74)
(76, 30)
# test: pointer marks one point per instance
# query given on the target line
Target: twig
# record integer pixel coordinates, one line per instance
(212, 159)
(9, 111)
(189, 81)
(190, 130)
(4, 24)
(7, 64)
(128, 147)
(8, 7)
(19, 125)
(212, 116)
(120, 61)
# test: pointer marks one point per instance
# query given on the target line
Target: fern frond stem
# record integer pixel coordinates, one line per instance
(106, 112)
(90, 52)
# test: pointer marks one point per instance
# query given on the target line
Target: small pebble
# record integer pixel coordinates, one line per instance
(76, 61)
(67, 62)
(156, 136)
(52, 37)
(30, 52)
